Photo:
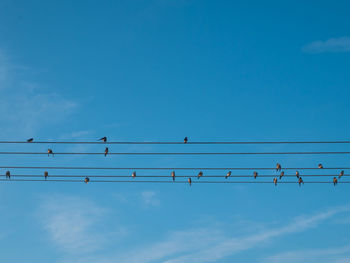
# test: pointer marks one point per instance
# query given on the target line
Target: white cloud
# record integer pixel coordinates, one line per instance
(341, 44)
(149, 198)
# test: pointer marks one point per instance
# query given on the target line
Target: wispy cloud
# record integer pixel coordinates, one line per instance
(149, 198)
(341, 44)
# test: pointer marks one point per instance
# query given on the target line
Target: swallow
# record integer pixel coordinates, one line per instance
(86, 180)
(133, 175)
(300, 181)
(228, 175)
(278, 167)
(320, 166)
(8, 175)
(173, 175)
(104, 139)
(200, 174)
(335, 181)
(106, 151)
(297, 174)
(46, 174)
(49, 151)
(255, 175)
(30, 140)
(281, 175)
(275, 181)
(190, 181)
(341, 174)
(185, 140)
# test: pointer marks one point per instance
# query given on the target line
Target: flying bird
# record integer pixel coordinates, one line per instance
(173, 175)
(30, 140)
(185, 140)
(341, 174)
(200, 174)
(8, 175)
(300, 181)
(281, 175)
(106, 151)
(320, 166)
(275, 181)
(278, 167)
(133, 175)
(255, 175)
(297, 174)
(86, 180)
(228, 175)
(190, 181)
(335, 181)
(46, 174)
(104, 139)
(49, 151)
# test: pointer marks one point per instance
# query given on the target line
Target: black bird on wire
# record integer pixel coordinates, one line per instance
(297, 174)
(46, 174)
(228, 175)
(200, 174)
(86, 180)
(49, 151)
(275, 181)
(106, 151)
(300, 181)
(30, 140)
(185, 140)
(255, 175)
(341, 174)
(133, 175)
(8, 175)
(173, 175)
(281, 175)
(278, 167)
(104, 139)
(335, 181)
(320, 166)
(190, 181)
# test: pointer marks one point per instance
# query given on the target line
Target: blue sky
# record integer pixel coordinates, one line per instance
(159, 71)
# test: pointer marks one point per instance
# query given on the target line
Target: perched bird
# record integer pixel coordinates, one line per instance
(106, 151)
(255, 175)
(281, 175)
(30, 140)
(228, 175)
(190, 181)
(104, 139)
(185, 140)
(278, 167)
(275, 180)
(300, 181)
(46, 174)
(297, 174)
(49, 151)
(133, 175)
(200, 174)
(335, 181)
(86, 180)
(320, 166)
(8, 175)
(173, 175)
(341, 174)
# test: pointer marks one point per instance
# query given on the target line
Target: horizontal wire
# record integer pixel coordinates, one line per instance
(150, 142)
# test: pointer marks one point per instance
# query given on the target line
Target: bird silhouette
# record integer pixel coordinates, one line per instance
(173, 175)
(185, 140)
(335, 181)
(275, 181)
(104, 139)
(49, 151)
(320, 166)
(46, 174)
(341, 174)
(255, 175)
(297, 174)
(278, 167)
(190, 181)
(30, 140)
(200, 174)
(228, 175)
(281, 175)
(8, 175)
(106, 151)
(133, 175)
(86, 180)
(300, 181)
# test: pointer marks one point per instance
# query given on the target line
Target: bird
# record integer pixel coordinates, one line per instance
(228, 175)
(200, 174)
(300, 181)
(104, 139)
(46, 174)
(173, 175)
(297, 174)
(190, 181)
(278, 167)
(106, 151)
(341, 174)
(275, 180)
(185, 140)
(335, 181)
(320, 166)
(30, 140)
(281, 175)
(133, 175)
(86, 180)
(8, 175)
(255, 175)
(49, 151)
